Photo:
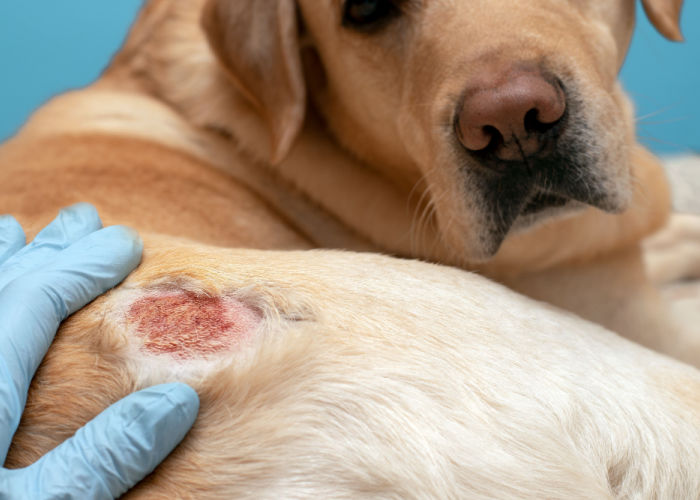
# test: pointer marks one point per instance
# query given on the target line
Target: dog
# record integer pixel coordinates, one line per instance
(493, 138)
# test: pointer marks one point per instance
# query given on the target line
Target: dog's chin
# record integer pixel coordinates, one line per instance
(511, 215)
(537, 212)
(544, 208)
(541, 209)
(516, 196)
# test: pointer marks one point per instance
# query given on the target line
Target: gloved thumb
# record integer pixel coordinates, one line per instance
(114, 451)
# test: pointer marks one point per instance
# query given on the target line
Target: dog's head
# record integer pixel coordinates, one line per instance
(505, 112)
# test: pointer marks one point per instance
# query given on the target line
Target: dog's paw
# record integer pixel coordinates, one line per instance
(672, 258)
(684, 176)
(683, 299)
(673, 254)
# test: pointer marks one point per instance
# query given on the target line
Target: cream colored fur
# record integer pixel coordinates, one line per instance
(383, 378)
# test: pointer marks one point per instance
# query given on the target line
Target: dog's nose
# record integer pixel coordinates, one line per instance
(511, 115)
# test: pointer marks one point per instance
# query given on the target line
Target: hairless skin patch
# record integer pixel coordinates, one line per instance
(185, 325)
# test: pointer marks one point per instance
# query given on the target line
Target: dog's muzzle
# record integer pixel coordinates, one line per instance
(529, 153)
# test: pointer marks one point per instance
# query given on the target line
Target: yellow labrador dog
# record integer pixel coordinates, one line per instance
(491, 136)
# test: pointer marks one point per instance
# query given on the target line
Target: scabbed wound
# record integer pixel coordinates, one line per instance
(186, 325)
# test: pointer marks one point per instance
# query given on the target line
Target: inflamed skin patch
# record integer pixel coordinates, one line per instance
(185, 325)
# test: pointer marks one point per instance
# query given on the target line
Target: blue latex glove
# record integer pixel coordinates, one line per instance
(71, 262)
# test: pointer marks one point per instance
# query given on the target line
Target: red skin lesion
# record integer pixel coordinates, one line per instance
(185, 325)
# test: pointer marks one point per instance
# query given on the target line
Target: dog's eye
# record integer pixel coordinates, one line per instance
(367, 14)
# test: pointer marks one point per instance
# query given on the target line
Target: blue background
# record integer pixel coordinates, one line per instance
(49, 46)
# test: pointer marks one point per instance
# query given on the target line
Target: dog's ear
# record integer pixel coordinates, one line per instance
(665, 15)
(257, 41)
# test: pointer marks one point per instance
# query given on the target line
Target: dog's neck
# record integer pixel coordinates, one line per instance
(167, 56)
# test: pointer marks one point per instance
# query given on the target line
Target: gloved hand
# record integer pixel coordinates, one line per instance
(71, 262)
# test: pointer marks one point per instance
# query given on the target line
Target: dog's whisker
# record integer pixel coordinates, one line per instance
(419, 225)
(638, 188)
(663, 142)
(679, 119)
(666, 109)
(416, 230)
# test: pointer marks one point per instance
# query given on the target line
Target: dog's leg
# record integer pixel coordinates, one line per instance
(365, 376)
(673, 254)
(672, 258)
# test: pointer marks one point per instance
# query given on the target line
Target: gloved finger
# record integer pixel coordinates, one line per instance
(114, 451)
(32, 307)
(71, 224)
(11, 237)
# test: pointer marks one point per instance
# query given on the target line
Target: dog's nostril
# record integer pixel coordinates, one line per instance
(533, 123)
(495, 137)
(509, 113)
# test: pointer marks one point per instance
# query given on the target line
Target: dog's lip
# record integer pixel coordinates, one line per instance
(543, 207)
(542, 200)
(539, 206)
